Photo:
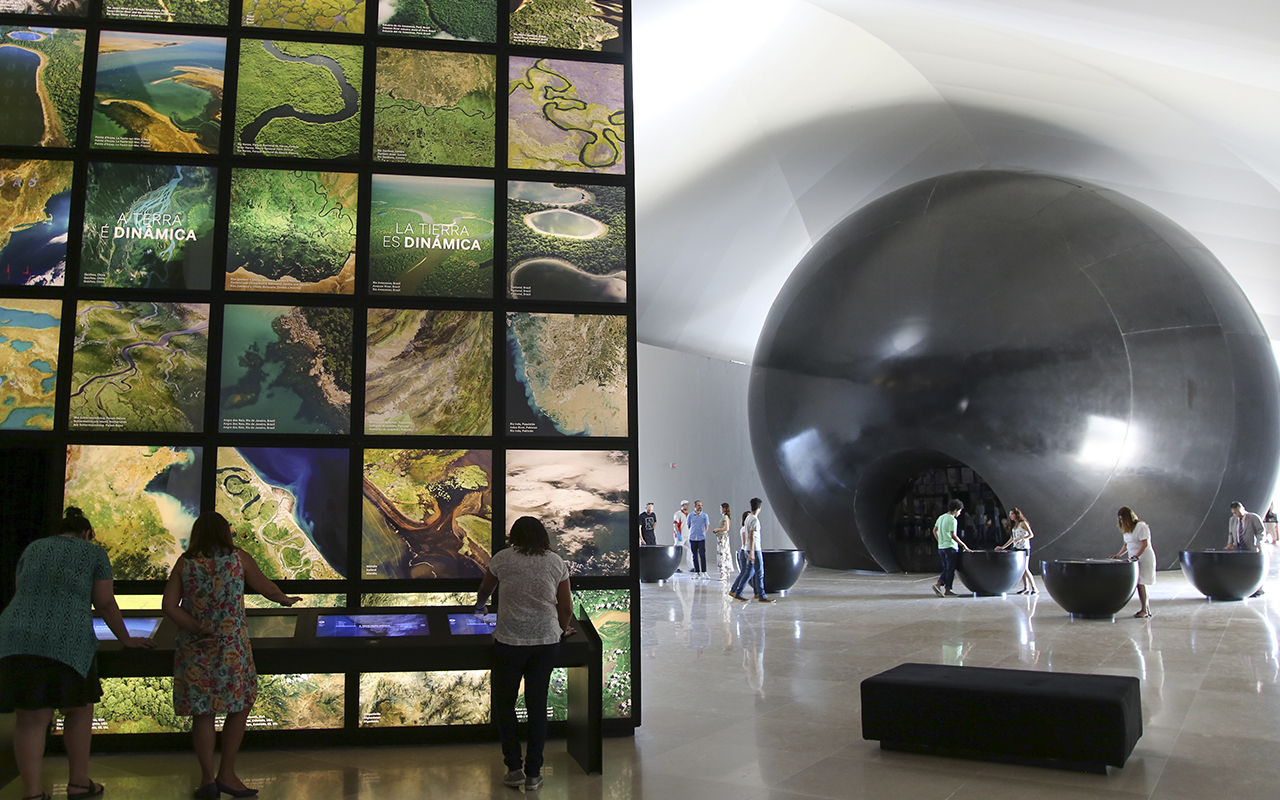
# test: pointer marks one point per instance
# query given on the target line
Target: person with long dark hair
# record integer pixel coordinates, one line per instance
(724, 555)
(1020, 539)
(213, 663)
(534, 613)
(1137, 547)
(48, 651)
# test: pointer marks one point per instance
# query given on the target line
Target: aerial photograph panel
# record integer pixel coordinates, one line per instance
(35, 215)
(46, 8)
(465, 20)
(158, 92)
(435, 107)
(429, 373)
(567, 116)
(141, 499)
(328, 16)
(29, 333)
(43, 68)
(569, 24)
(189, 12)
(566, 242)
(139, 366)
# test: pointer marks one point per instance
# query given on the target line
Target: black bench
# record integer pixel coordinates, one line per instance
(1052, 719)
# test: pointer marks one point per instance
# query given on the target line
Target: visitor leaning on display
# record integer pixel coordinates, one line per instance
(944, 530)
(213, 664)
(48, 650)
(534, 612)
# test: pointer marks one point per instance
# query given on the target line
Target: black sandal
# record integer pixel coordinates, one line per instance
(92, 790)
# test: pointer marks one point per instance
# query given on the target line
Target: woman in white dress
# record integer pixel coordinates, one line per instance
(1020, 539)
(1137, 547)
(724, 555)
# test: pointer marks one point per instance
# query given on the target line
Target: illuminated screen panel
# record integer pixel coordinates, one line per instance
(46, 8)
(286, 369)
(472, 624)
(566, 374)
(148, 226)
(468, 20)
(566, 116)
(566, 242)
(292, 231)
(287, 507)
(282, 626)
(557, 697)
(308, 601)
(411, 699)
(158, 92)
(29, 331)
(139, 366)
(137, 627)
(569, 24)
(328, 16)
(435, 108)
(35, 205)
(431, 237)
(429, 373)
(189, 12)
(427, 513)
(582, 497)
(298, 99)
(371, 626)
(43, 68)
(141, 499)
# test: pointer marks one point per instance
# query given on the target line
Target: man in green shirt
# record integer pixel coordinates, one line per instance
(944, 530)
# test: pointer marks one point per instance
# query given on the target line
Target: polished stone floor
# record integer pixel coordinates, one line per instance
(761, 701)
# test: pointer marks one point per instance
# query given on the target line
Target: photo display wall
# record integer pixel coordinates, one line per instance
(356, 275)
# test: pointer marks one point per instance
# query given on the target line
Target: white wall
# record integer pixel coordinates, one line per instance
(693, 413)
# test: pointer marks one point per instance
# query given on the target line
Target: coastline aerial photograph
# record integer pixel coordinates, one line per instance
(40, 94)
(431, 237)
(148, 226)
(435, 107)
(35, 216)
(29, 333)
(566, 242)
(292, 231)
(286, 369)
(429, 373)
(142, 500)
(581, 496)
(298, 99)
(566, 374)
(427, 513)
(568, 24)
(567, 116)
(139, 366)
(467, 20)
(287, 507)
(158, 92)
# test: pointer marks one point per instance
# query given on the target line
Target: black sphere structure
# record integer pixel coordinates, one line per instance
(1074, 347)
(992, 572)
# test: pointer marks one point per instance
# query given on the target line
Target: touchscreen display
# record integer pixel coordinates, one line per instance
(376, 625)
(138, 627)
(472, 624)
(272, 626)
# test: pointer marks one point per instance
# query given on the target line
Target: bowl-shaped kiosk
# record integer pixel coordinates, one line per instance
(659, 562)
(992, 572)
(1224, 574)
(782, 569)
(1091, 588)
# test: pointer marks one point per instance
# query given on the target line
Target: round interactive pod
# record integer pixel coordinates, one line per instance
(659, 562)
(1094, 589)
(1224, 574)
(992, 572)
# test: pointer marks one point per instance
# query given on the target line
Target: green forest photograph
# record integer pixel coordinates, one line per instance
(469, 20)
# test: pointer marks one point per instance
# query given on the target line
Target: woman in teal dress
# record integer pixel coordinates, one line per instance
(213, 664)
(48, 651)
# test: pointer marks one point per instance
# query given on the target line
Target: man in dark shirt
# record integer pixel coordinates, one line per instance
(648, 520)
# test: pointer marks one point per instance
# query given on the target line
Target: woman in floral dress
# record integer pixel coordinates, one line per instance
(724, 555)
(213, 665)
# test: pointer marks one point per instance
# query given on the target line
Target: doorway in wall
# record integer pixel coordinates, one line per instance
(982, 525)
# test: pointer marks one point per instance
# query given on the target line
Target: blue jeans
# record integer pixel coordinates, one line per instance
(949, 556)
(699, 549)
(740, 582)
(534, 665)
(750, 571)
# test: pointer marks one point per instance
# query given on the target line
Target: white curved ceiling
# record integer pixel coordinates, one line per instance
(762, 123)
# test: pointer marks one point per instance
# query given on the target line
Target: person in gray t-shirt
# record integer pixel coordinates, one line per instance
(534, 613)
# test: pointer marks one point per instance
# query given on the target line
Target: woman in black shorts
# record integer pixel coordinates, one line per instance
(48, 650)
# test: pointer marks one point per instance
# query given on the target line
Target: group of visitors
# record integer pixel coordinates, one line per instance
(48, 649)
(1247, 531)
(689, 530)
